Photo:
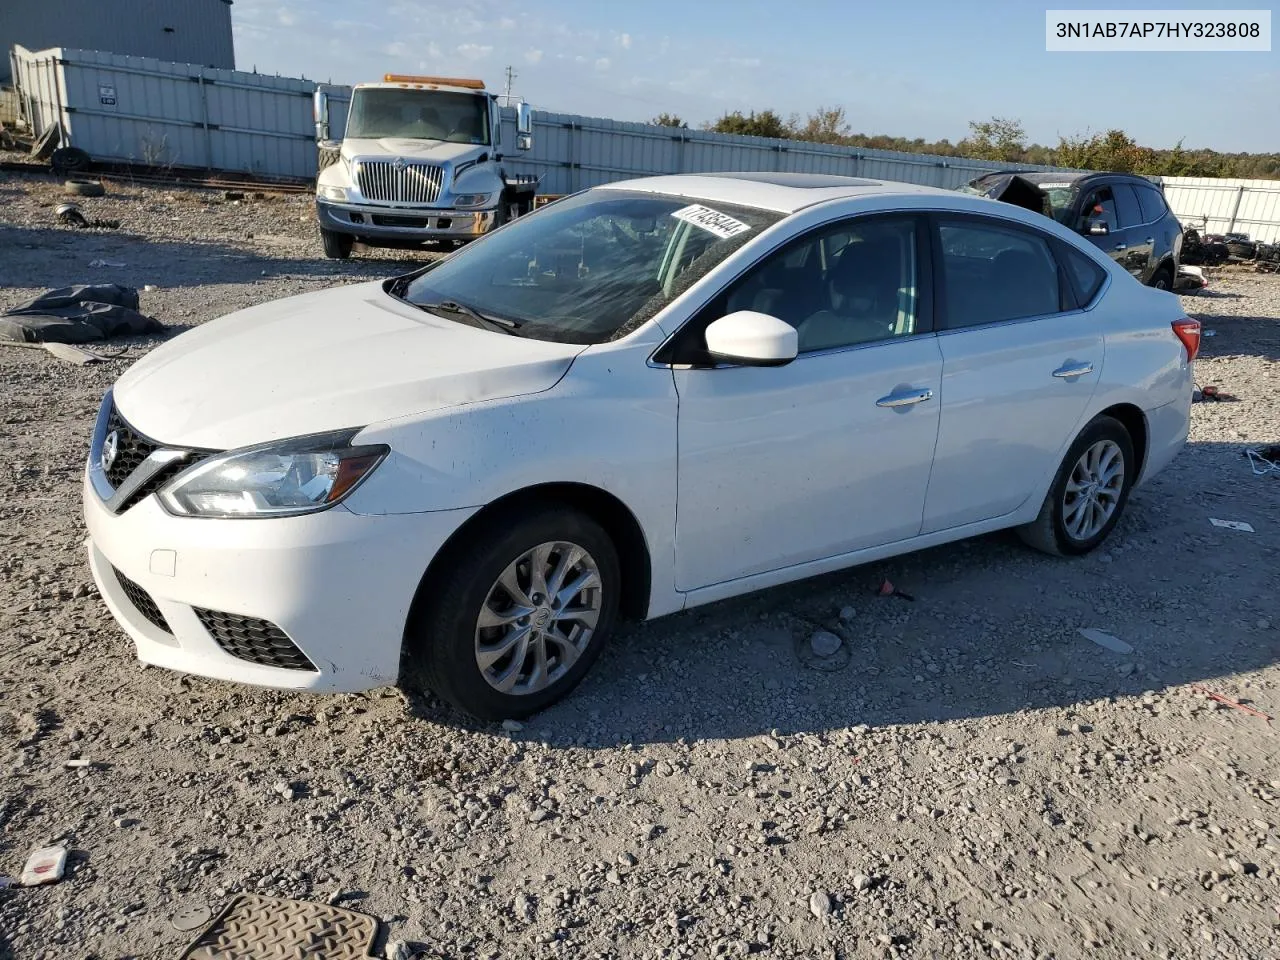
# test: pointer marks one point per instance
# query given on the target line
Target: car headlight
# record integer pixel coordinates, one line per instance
(332, 193)
(283, 478)
(472, 199)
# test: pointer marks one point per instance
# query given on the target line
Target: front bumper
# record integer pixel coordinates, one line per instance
(337, 584)
(403, 223)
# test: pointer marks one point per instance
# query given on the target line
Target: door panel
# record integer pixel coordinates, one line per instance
(780, 465)
(1005, 415)
(1138, 238)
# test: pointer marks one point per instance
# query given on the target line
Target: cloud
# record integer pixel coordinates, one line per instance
(287, 17)
(603, 63)
(533, 56)
(396, 49)
(745, 61)
(474, 51)
(506, 23)
(625, 41)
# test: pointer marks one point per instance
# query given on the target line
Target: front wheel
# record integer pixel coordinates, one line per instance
(1089, 492)
(337, 246)
(512, 618)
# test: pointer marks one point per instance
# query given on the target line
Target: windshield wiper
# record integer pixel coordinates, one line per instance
(486, 320)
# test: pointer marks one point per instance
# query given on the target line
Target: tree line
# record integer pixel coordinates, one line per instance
(1004, 140)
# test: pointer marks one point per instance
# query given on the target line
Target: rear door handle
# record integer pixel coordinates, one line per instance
(905, 399)
(1073, 370)
(1151, 239)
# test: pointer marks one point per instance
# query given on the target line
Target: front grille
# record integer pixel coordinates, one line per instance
(158, 480)
(407, 183)
(131, 449)
(381, 220)
(142, 601)
(258, 641)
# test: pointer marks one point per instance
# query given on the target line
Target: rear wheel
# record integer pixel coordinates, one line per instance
(337, 246)
(1088, 493)
(1162, 279)
(516, 614)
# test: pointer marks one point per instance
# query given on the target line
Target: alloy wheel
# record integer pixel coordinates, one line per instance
(1093, 490)
(538, 618)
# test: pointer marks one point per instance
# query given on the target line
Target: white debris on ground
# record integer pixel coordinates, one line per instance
(980, 780)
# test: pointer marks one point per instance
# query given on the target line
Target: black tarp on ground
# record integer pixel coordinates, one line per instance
(79, 314)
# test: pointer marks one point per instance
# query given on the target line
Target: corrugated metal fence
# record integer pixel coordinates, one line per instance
(1211, 205)
(144, 110)
(572, 153)
(155, 112)
(136, 109)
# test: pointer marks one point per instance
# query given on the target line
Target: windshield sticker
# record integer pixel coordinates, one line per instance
(1054, 186)
(712, 221)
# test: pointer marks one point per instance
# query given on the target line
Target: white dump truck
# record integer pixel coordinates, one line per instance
(421, 160)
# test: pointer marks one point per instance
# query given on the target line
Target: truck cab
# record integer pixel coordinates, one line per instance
(421, 160)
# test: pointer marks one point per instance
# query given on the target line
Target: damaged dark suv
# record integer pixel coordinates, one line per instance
(1124, 215)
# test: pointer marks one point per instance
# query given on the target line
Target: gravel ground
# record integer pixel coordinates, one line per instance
(979, 781)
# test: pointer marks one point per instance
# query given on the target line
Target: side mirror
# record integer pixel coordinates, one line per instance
(1097, 228)
(524, 126)
(320, 107)
(752, 339)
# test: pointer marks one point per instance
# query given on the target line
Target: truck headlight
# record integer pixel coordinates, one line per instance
(283, 478)
(472, 199)
(332, 193)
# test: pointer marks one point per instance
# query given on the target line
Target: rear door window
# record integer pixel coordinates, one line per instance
(994, 272)
(1152, 203)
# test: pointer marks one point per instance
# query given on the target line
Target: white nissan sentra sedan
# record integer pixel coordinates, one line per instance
(644, 397)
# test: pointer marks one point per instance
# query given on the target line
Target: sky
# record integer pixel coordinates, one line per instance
(910, 69)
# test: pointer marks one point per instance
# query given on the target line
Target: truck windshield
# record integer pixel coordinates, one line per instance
(419, 115)
(591, 267)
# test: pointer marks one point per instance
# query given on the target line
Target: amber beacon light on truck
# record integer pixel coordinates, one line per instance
(410, 81)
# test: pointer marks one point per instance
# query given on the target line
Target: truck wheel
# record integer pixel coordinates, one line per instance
(337, 246)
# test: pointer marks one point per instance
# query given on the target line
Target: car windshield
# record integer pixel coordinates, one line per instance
(419, 114)
(589, 268)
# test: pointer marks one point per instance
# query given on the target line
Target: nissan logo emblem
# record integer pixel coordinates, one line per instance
(110, 448)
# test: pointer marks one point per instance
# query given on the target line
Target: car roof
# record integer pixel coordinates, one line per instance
(781, 192)
(1064, 176)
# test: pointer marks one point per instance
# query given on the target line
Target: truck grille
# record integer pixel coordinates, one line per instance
(396, 182)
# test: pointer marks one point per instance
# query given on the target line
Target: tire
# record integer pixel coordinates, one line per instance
(1050, 532)
(337, 246)
(1162, 279)
(69, 160)
(444, 639)
(84, 188)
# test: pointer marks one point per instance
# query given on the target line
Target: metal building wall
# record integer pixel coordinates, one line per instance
(186, 31)
(1211, 205)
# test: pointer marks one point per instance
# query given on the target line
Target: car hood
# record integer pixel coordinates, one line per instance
(437, 151)
(329, 360)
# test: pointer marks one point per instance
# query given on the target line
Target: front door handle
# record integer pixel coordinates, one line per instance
(905, 399)
(1073, 370)
(1151, 239)
(1122, 246)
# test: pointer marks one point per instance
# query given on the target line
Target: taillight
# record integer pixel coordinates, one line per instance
(1188, 331)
